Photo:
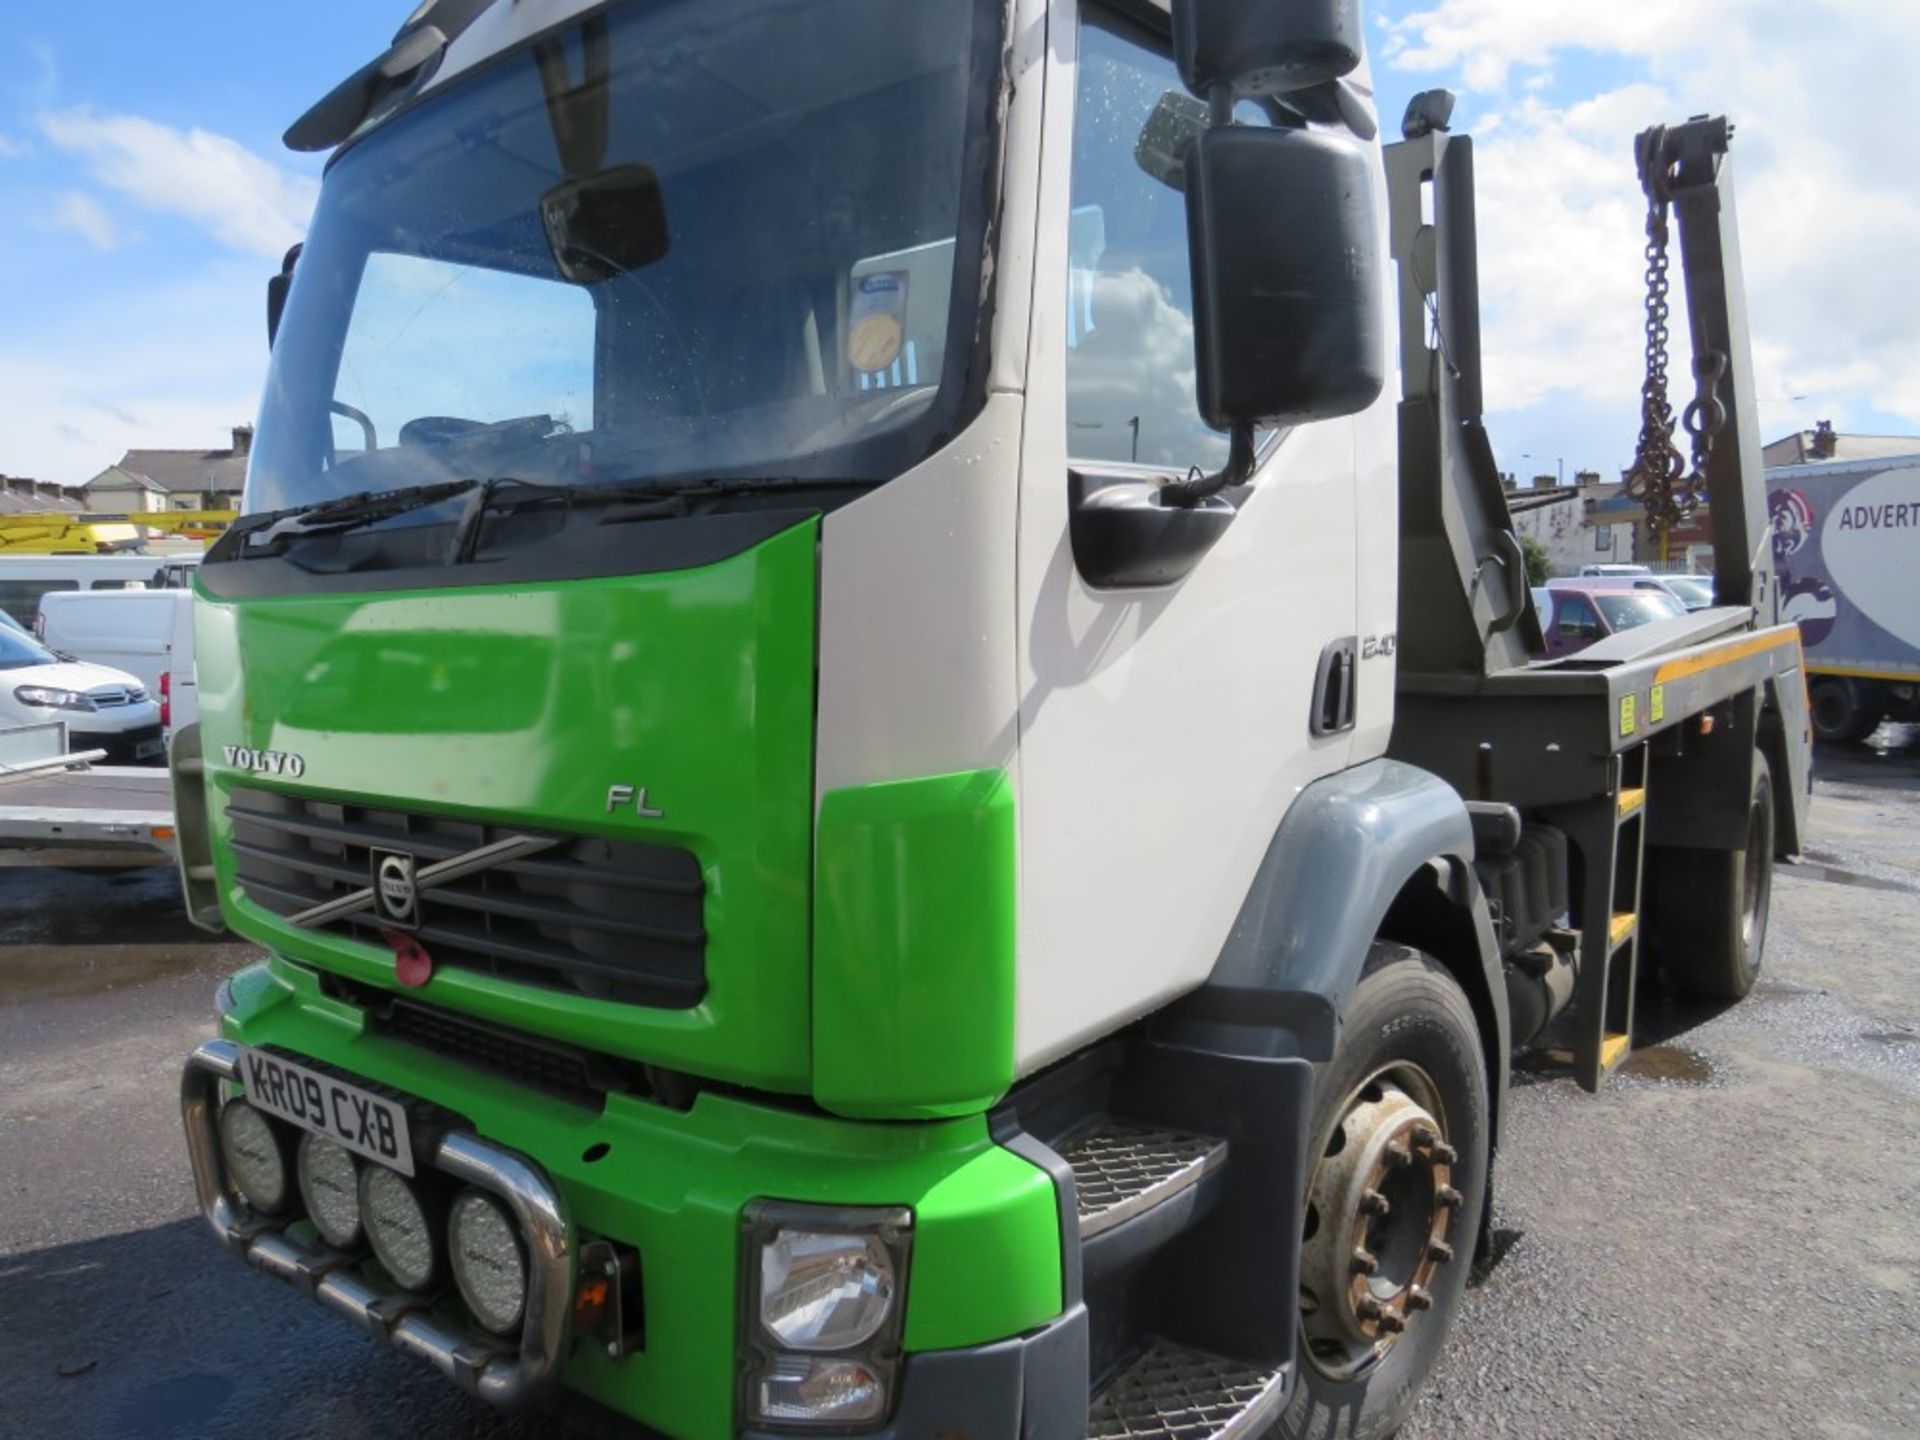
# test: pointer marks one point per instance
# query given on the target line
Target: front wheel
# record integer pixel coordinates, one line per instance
(1401, 1123)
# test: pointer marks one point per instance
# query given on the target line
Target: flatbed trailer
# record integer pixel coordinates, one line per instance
(89, 807)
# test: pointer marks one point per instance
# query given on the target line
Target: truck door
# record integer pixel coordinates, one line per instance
(1164, 730)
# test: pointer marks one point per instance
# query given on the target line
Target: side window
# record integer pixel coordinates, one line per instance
(1130, 370)
(1576, 618)
(461, 341)
(21, 598)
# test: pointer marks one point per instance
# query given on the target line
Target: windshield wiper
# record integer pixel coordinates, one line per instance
(650, 499)
(353, 512)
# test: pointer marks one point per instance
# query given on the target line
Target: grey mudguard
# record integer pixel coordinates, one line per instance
(1344, 851)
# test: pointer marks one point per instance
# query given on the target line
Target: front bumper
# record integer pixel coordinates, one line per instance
(490, 1371)
(123, 747)
(671, 1185)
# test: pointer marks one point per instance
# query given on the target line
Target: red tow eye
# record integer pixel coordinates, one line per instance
(412, 965)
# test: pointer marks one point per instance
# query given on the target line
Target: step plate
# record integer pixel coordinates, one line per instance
(1171, 1393)
(1123, 1168)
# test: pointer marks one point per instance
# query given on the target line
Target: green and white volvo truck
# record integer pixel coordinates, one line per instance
(887, 789)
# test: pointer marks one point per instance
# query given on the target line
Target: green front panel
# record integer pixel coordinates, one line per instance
(986, 1252)
(522, 706)
(914, 946)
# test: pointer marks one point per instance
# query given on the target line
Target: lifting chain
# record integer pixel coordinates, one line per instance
(1660, 479)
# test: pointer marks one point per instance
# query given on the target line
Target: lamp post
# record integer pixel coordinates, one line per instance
(1559, 466)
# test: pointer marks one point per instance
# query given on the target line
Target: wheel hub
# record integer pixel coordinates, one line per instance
(1378, 1212)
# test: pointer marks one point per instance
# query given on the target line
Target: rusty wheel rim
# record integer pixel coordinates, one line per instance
(1380, 1208)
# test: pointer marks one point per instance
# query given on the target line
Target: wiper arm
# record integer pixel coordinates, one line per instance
(351, 512)
(669, 497)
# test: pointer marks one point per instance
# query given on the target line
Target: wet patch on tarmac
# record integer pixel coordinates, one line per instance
(66, 971)
(1670, 1065)
(69, 905)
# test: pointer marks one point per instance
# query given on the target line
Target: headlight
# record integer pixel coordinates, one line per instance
(489, 1263)
(330, 1188)
(824, 1307)
(822, 1291)
(52, 699)
(256, 1153)
(405, 1238)
(137, 695)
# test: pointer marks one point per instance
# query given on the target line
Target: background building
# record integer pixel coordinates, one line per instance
(173, 479)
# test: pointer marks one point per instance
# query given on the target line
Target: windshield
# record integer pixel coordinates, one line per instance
(1694, 593)
(707, 238)
(18, 649)
(1626, 610)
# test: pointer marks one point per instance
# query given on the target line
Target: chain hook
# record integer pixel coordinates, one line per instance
(1665, 482)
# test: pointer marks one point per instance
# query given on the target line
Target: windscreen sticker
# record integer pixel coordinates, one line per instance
(876, 320)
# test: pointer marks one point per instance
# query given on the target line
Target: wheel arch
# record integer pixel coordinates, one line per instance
(1441, 912)
(1383, 851)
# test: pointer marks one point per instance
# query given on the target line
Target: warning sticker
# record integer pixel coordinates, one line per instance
(1628, 720)
(1657, 705)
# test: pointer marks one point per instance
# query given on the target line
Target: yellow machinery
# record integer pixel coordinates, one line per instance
(63, 533)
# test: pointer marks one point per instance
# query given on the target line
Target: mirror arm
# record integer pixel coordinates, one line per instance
(1241, 456)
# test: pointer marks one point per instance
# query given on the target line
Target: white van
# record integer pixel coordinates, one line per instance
(147, 633)
(25, 578)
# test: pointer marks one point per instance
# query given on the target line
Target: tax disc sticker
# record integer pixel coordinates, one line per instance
(876, 319)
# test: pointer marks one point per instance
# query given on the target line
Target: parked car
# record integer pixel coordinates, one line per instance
(147, 633)
(102, 708)
(1606, 567)
(1693, 591)
(1588, 610)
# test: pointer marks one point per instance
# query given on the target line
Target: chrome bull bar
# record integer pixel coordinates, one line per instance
(396, 1318)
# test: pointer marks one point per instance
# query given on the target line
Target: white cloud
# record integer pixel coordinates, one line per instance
(1829, 208)
(79, 212)
(241, 199)
(12, 147)
(1487, 38)
(165, 365)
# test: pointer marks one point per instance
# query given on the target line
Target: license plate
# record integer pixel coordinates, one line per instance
(364, 1122)
(147, 749)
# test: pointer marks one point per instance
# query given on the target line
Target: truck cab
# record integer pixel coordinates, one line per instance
(805, 704)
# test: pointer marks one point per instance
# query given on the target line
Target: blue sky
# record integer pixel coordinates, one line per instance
(148, 197)
(138, 241)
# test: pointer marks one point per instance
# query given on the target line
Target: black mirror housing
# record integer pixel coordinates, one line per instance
(1288, 296)
(605, 224)
(1265, 47)
(277, 288)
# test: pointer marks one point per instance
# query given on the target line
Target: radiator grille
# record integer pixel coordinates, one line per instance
(609, 919)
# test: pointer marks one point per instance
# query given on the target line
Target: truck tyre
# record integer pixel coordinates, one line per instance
(1395, 1188)
(1842, 711)
(1707, 926)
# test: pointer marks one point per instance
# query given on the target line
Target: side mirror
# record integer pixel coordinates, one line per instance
(1265, 47)
(1289, 306)
(277, 288)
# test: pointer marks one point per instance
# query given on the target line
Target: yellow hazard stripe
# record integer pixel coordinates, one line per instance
(1726, 654)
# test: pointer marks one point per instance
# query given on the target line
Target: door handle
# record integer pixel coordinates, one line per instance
(1335, 680)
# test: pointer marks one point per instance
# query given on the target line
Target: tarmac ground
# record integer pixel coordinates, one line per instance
(1721, 1244)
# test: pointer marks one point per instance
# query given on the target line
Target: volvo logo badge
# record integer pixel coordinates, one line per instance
(396, 889)
(265, 762)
